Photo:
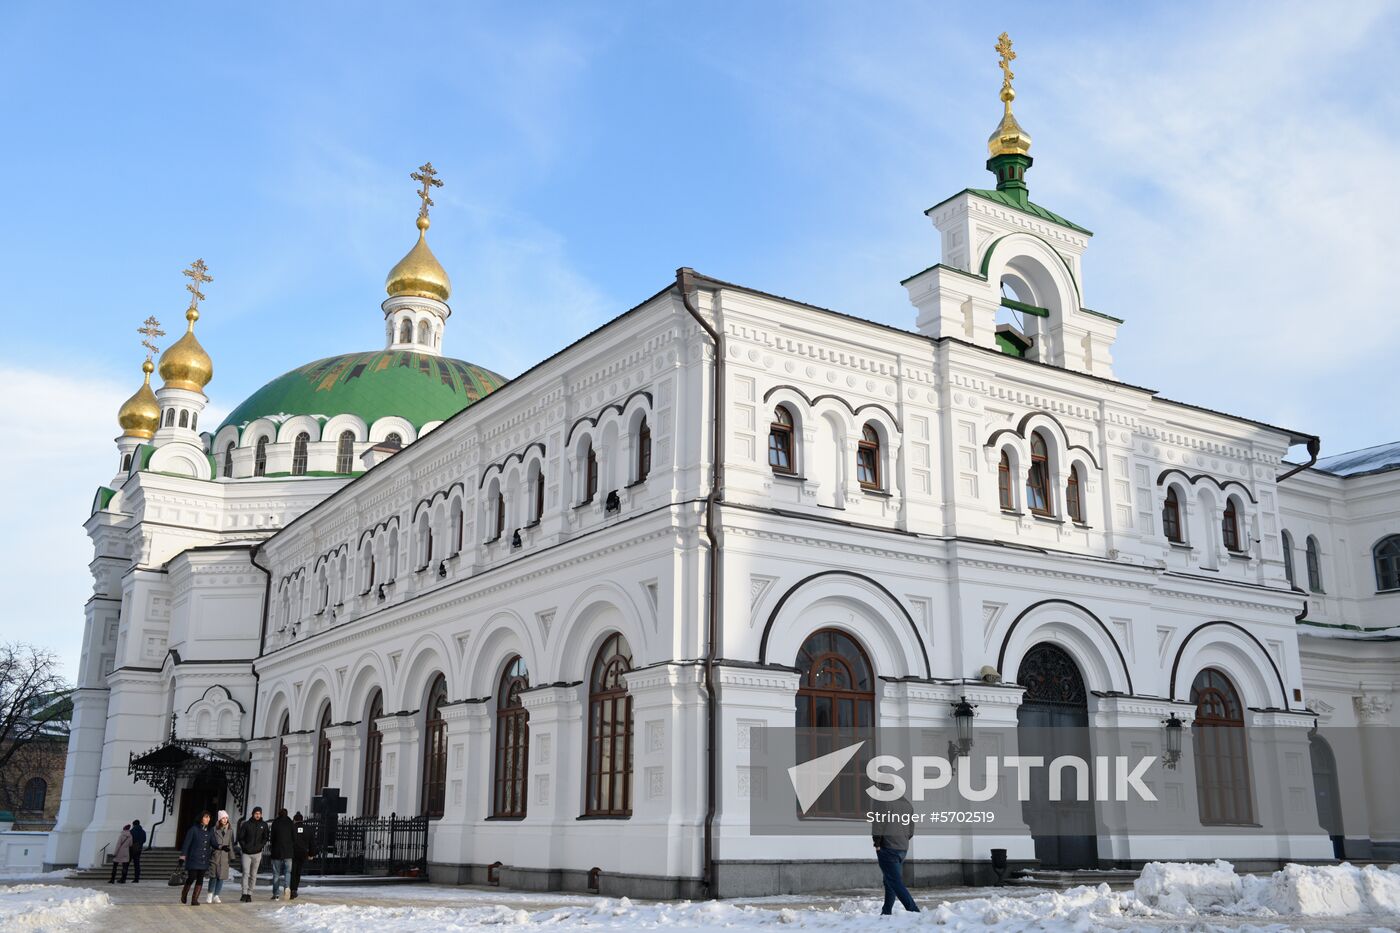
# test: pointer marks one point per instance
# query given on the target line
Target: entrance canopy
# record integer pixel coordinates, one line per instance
(163, 766)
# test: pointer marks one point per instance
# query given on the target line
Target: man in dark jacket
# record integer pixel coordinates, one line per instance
(892, 830)
(252, 839)
(283, 836)
(303, 848)
(138, 844)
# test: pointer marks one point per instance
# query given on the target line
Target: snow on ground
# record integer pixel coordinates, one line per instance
(43, 908)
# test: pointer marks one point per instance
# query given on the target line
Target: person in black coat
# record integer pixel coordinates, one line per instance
(138, 845)
(195, 855)
(303, 848)
(283, 835)
(252, 839)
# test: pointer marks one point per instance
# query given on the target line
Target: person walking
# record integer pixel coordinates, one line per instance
(122, 855)
(138, 845)
(252, 839)
(893, 831)
(283, 835)
(223, 852)
(303, 848)
(195, 855)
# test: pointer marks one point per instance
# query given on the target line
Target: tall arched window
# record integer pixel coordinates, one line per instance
(1230, 526)
(1314, 558)
(643, 450)
(299, 454)
(590, 472)
(36, 793)
(406, 331)
(423, 334)
(374, 754)
(435, 750)
(459, 524)
(228, 459)
(184, 418)
(780, 441)
(425, 542)
(1171, 516)
(836, 702)
(1387, 556)
(868, 458)
(610, 731)
(499, 505)
(1288, 559)
(169, 417)
(539, 494)
(126, 462)
(512, 741)
(279, 798)
(323, 753)
(1222, 757)
(194, 420)
(345, 452)
(1004, 494)
(1074, 496)
(260, 457)
(1038, 477)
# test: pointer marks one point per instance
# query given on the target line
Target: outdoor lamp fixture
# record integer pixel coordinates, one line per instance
(1172, 755)
(963, 714)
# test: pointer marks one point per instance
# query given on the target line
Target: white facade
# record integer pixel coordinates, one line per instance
(248, 605)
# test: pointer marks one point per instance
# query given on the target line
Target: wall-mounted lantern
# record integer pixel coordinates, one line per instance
(1174, 727)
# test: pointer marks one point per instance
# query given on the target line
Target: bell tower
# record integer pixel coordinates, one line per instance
(416, 311)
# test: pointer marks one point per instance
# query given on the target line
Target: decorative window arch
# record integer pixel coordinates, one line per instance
(498, 517)
(1171, 517)
(1387, 557)
(539, 493)
(425, 541)
(374, 754)
(512, 741)
(1005, 491)
(435, 750)
(36, 793)
(868, 457)
(610, 731)
(323, 752)
(228, 459)
(126, 462)
(1288, 559)
(1222, 751)
(260, 457)
(459, 524)
(394, 439)
(643, 449)
(367, 565)
(279, 798)
(345, 452)
(1074, 495)
(194, 420)
(299, 453)
(184, 418)
(1038, 476)
(169, 417)
(1314, 559)
(406, 331)
(836, 703)
(424, 334)
(1230, 526)
(781, 455)
(590, 471)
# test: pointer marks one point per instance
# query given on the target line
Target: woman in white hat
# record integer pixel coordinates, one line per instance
(223, 851)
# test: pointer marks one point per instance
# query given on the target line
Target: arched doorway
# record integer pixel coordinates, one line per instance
(1326, 792)
(208, 791)
(1053, 720)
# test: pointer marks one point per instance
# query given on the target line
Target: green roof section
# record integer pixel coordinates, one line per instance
(417, 387)
(102, 499)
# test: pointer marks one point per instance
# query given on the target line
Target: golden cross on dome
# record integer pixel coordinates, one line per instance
(150, 331)
(198, 275)
(428, 176)
(1003, 48)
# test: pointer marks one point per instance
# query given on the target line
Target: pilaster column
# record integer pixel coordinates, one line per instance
(346, 773)
(301, 764)
(80, 776)
(1378, 763)
(556, 753)
(753, 702)
(400, 765)
(262, 774)
(1282, 775)
(136, 722)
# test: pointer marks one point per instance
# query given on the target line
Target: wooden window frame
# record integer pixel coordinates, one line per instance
(300, 453)
(1074, 496)
(590, 473)
(1230, 527)
(1224, 791)
(1006, 495)
(260, 457)
(780, 445)
(500, 506)
(434, 783)
(323, 753)
(819, 660)
(1038, 478)
(511, 767)
(643, 450)
(1171, 517)
(1289, 573)
(1313, 553)
(868, 458)
(374, 756)
(1386, 556)
(609, 761)
(345, 452)
(228, 460)
(539, 494)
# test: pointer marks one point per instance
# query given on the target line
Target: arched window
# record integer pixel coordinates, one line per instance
(1171, 516)
(1222, 757)
(1074, 496)
(435, 750)
(1038, 477)
(423, 334)
(780, 441)
(425, 542)
(539, 494)
(299, 454)
(279, 798)
(194, 420)
(367, 566)
(1230, 526)
(499, 505)
(345, 452)
(868, 458)
(1387, 555)
(1288, 559)
(512, 740)
(374, 753)
(169, 417)
(610, 731)
(590, 472)
(126, 462)
(323, 753)
(1314, 558)
(260, 457)
(36, 793)
(643, 450)
(836, 703)
(459, 524)
(406, 331)
(394, 439)
(228, 459)
(184, 418)
(1004, 493)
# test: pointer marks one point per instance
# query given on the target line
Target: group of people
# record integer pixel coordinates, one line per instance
(208, 852)
(130, 842)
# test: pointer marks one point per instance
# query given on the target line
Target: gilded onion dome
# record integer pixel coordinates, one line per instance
(139, 415)
(419, 274)
(185, 365)
(1008, 138)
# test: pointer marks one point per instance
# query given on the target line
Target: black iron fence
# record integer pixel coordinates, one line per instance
(372, 846)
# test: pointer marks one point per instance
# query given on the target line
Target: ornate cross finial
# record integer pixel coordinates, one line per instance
(198, 275)
(1003, 48)
(150, 330)
(427, 175)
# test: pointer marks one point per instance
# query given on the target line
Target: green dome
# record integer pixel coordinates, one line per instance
(414, 386)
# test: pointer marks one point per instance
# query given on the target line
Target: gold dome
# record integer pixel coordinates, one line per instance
(419, 274)
(139, 415)
(1009, 138)
(185, 365)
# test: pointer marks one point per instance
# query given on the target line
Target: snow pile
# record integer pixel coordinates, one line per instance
(47, 907)
(1184, 888)
(1329, 891)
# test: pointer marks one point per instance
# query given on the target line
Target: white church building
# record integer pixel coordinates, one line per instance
(551, 613)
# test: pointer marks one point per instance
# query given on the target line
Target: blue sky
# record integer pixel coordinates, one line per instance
(1237, 162)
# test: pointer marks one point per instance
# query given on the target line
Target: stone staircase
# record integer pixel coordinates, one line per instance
(156, 866)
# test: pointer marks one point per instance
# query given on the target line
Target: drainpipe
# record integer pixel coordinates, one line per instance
(685, 283)
(1314, 447)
